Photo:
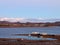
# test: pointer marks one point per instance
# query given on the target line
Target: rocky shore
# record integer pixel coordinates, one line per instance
(22, 41)
(6, 41)
(43, 35)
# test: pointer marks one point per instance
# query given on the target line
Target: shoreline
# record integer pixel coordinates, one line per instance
(23, 41)
(6, 41)
(30, 27)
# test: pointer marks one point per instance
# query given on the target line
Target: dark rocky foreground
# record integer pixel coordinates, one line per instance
(21, 41)
(6, 41)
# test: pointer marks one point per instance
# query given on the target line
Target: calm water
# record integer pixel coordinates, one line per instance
(7, 32)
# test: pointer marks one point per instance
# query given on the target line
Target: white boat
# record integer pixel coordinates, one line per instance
(35, 33)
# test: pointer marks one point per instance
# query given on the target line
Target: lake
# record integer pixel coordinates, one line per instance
(7, 32)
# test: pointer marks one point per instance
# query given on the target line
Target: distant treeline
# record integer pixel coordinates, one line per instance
(28, 24)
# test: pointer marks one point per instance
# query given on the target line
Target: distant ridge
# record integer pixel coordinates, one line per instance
(28, 20)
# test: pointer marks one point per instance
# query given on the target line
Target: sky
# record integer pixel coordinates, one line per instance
(45, 9)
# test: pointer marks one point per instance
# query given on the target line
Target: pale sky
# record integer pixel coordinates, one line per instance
(30, 8)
